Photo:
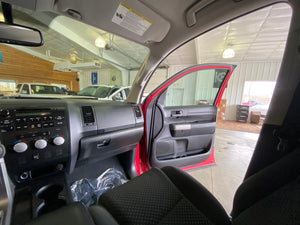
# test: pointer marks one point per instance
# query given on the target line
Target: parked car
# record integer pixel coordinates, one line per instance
(38, 89)
(105, 92)
(252, 103)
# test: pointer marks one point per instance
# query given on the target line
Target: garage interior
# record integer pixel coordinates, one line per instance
(258, 40)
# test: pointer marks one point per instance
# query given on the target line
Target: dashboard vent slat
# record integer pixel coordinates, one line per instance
(88, 115)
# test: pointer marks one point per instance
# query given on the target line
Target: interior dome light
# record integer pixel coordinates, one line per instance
(228, 53)
(99, 42)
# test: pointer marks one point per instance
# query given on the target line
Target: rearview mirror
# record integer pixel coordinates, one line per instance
(20, 35)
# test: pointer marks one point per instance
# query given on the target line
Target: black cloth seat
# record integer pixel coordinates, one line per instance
(170, 196)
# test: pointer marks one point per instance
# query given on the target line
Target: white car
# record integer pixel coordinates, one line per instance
(38, 89)
(105, 92)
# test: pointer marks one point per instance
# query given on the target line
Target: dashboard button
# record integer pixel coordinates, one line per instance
(45, 133)
(45, 124)
(60, 123)
(3, 129)
(18, 120)
(59, 117)
(38, 125)
(20, 147)
(40, 144)
(58, 140)
(6, 122)
(51, 124)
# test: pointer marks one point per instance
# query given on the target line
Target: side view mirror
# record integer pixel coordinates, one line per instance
(20, 35)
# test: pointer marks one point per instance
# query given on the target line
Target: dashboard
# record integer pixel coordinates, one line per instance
(42, 136)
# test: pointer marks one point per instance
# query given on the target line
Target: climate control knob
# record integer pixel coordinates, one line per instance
(58, 140)
(40, 144)
(20, 147)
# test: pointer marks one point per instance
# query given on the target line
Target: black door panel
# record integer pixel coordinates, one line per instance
(180, 117)
(188, 137)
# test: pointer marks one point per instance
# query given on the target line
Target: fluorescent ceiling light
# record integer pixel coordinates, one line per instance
(1, 17)
(99, 42)
(228, 53)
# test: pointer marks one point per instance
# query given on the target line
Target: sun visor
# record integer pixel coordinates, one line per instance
(130, 19)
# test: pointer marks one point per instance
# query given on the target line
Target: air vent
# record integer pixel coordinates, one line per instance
(137, 111)
(88, 115)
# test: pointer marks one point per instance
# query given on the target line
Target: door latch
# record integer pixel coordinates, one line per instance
(177, 113)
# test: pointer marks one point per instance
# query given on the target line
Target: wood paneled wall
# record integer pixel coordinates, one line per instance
(23, 67)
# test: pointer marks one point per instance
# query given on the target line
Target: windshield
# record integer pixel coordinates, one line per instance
(74, 56)
(100, 92)
(44, 89)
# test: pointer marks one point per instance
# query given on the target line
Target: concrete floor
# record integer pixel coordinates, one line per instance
(233, 151)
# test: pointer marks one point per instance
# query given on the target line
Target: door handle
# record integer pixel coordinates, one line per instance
(103, 143)
(177, 113)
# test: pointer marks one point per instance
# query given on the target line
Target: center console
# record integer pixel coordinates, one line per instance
(36, 140)
(47, 139)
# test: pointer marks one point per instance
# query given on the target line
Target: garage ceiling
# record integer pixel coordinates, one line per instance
(259, 36)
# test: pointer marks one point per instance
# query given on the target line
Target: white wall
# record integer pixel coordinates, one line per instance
(104, 77)
(173, 69)
(247, 71)
(159, 76)
(193, 88)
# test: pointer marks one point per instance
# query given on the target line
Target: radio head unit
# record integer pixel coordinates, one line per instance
(35, 139)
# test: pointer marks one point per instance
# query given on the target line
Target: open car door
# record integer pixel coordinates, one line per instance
(180, 118)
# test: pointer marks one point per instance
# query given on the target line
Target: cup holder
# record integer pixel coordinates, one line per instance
(50, 194)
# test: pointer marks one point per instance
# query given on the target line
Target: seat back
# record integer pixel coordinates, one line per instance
(270, 195)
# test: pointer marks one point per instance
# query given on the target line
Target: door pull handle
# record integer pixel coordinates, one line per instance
(177, 113)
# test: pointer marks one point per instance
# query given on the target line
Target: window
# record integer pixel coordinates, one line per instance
(102, 92)
(113, 90)
(18, 88)
(118, 96)
(127, 90)
(25, 89)
(7, 87)
(69, 57)
(258, 92)
(196, 88)
(45, 89)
